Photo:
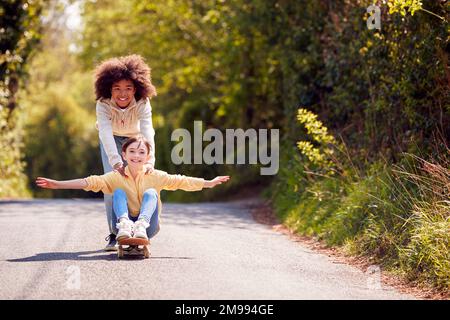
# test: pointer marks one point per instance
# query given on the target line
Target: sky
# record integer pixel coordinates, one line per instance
(73, 13)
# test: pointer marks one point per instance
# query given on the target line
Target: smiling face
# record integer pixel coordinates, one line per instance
(122, 92)
(136, 154)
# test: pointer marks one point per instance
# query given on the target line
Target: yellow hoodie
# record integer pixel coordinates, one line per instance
(134, 188)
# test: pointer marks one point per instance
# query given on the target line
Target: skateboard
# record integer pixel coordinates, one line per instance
(133, 247)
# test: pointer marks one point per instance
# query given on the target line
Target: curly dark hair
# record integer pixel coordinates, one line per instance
(132, 67)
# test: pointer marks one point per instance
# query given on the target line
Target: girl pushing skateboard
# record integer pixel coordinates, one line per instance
(123, 90)
(136, 198)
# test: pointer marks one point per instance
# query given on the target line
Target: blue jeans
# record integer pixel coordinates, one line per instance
(148, 210)
(107, 168)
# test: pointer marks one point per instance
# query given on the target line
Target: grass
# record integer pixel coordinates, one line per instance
(396, 214)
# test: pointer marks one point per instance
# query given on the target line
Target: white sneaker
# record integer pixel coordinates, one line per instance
(125, 229)
(140, 229)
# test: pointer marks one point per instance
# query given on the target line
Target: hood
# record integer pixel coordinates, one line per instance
(114, 106)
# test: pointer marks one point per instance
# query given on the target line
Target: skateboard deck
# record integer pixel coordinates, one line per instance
(133, 247)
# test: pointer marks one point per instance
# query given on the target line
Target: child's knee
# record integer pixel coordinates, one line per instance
(119, 193)
(151, 194)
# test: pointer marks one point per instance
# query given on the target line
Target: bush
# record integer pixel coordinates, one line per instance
(14, 181)
(67, 148)
(396, 214)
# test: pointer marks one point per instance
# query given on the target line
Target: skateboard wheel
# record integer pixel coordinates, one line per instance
(146, 252)
(120, 252)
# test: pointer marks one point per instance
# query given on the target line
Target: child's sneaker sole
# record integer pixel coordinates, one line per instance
(123, 237)
(140, 235)
(111, 248)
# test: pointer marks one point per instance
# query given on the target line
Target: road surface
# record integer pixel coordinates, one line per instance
(53, 249)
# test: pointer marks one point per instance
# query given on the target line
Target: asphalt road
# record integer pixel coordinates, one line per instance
(53, 249)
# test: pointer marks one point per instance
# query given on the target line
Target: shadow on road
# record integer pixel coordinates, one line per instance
(81, 256)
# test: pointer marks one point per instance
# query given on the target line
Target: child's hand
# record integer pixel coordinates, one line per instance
(148, 168)
(46, 183)
(217, 180)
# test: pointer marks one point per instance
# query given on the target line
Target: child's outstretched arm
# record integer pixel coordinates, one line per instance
(174, 182)
(65, 184)
(214, 182)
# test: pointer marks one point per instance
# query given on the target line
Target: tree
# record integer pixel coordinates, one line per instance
(20, 28)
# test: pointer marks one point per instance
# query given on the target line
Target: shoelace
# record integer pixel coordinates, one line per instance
(140, 226)
(108, 238)
(124, 224)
